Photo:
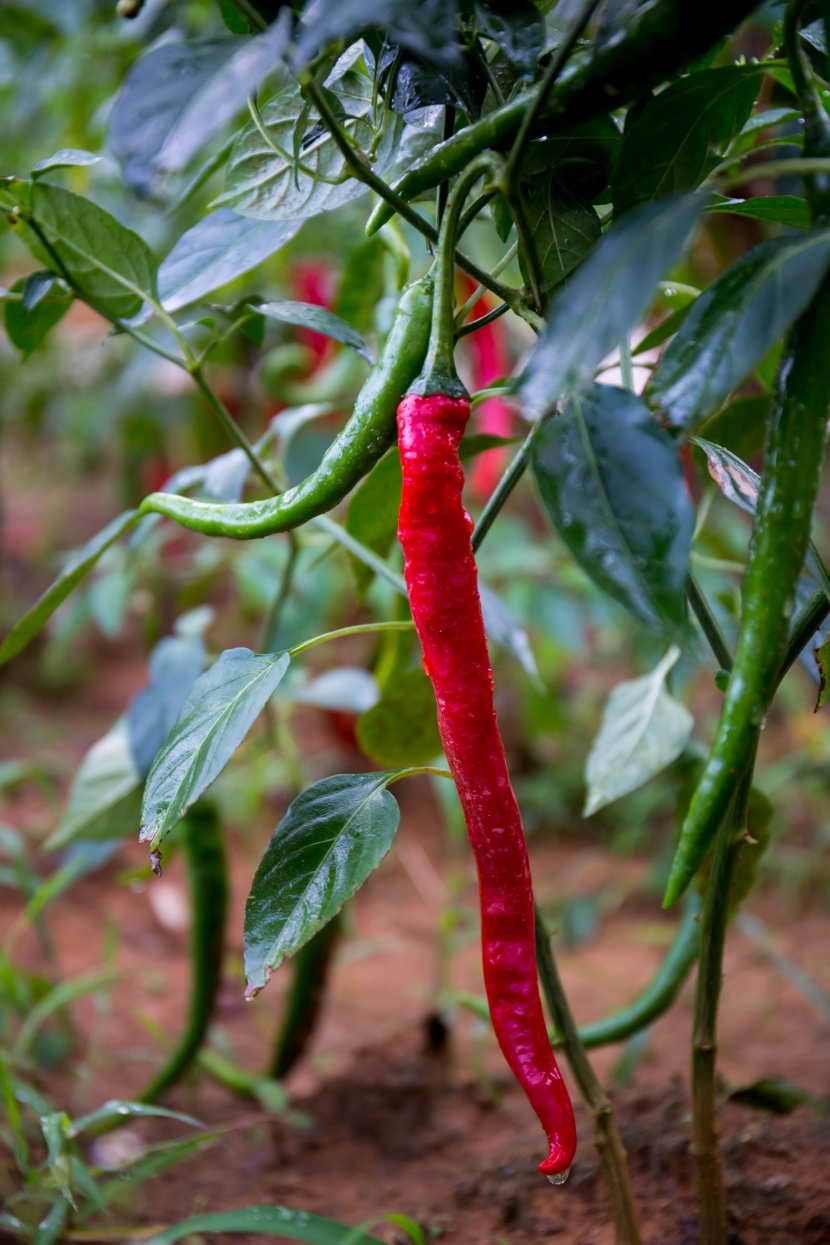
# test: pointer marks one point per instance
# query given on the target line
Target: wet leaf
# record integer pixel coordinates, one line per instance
(218, 249)
(29, 320)
(264, 180)
(428, 28)
(221, 708)
(319, 320)
(67, 157)
(734, 323)
(325, 847)
(778, 209)
(643, 730)
(563, 226)
(612, 483)
(613, 288)
(683, 132)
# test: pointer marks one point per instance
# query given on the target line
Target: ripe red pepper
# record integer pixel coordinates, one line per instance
(442, 581)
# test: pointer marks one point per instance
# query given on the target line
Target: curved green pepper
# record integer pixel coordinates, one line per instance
(659, 39)
(204, 851)
(352, 454)
(796, 440)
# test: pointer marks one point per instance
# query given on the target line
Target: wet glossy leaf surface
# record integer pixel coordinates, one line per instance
(612, 483)
(325, 847)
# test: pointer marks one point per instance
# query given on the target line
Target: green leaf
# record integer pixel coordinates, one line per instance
(222, 707)
(734, 323)
(175, 664)
(28, 325)
(779, 1096)
(612, 483)
(293, 1225)
(428, 28)
(218, 249)
(76, 568)
(178, 95)
(738, 482)
(325, 847)
(518, 29)
(643, 730)
(683, 132)
(105, 797)
(778, 209)
(319, 320)
(67, 157)
(123, 1110)
(402, 728)
(110, 264)
(563, 226)
(613, 288)
(372, 516)
(263, 179)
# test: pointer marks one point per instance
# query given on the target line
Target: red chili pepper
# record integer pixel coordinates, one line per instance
(442, 581)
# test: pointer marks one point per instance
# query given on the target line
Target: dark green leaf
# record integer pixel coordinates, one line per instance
(325, 847)
(293, 1225)
(779, 1096)
(517, 27)
(67, 157)
(664, 330)
(683, 132)
(613, 288)
(220, 248)
(564, 228)
(822, 656)
(27, 326)
(372, 517)
(420, 84)
(733, 324)
(612, 483)
(779, 209)
(76, 568)
(175, 664)
(428, 29)
(643, 730)
(105, 797)
(402, 728)
(178, 95)
(222, 707)
(319, 320)
(109, 263)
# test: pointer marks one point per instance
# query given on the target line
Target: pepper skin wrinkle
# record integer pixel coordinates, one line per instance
(441, 577)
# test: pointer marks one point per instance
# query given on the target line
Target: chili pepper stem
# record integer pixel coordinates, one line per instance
(438, 375)
(707, 999)
(606, 1134)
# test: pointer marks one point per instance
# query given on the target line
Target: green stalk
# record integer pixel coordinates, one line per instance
(714, 923)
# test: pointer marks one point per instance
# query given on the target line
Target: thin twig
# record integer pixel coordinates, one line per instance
(708, 623)
(606, 1134)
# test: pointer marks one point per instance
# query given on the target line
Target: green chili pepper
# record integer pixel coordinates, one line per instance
(305, 998)
(207, 877)
(351, 455)
(658, 40)
(796, 438)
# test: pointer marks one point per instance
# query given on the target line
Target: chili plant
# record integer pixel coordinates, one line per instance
(599, 146)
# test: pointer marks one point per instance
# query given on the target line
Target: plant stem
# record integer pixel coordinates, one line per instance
(714, 923)
(232, 428)
(505, 486)
(369, 178)
(271, 622)
(557, 64)
(481, 322)
(444, 187)
(478, 292)
(606, 1135)
(357, 629)
(708, 623)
